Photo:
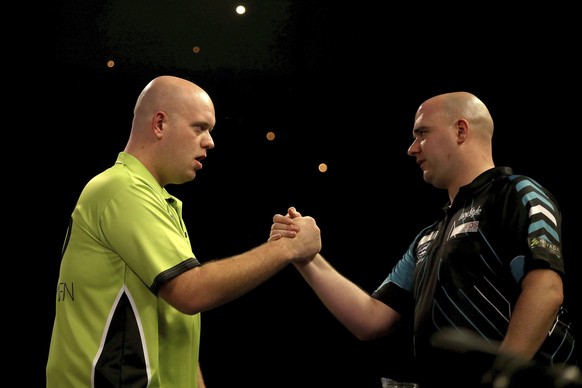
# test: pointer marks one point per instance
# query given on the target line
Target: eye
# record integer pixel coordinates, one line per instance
(419, 135)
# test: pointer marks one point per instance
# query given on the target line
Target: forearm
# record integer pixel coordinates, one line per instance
(217, 282)
(361, 314)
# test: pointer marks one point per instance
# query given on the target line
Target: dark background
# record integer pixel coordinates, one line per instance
(338, 82)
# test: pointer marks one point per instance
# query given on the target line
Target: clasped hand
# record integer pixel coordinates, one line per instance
(303, 232)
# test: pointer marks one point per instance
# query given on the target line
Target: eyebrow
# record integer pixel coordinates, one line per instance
(203, 124)
(416, 130)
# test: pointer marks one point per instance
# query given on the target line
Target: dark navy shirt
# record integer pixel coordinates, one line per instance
(464, 271)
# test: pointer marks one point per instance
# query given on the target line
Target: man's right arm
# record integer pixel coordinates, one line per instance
(364, 316)
(220, 281)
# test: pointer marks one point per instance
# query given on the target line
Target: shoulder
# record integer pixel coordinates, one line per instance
(516, 191)
(107, 182)
(529, 189)
(120, 184)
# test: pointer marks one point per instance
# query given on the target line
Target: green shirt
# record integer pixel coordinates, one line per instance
(126, 237)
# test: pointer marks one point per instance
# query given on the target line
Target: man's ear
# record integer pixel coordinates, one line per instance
(462, 130)
(158, 124)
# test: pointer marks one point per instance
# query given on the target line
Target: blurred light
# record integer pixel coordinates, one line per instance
(322, 167)
(110, 63)
(196, 49)
(270, 135)
(241, 9)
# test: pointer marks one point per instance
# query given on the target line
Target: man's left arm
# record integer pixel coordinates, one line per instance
(534, 313)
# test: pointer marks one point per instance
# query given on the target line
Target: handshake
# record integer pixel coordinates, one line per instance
(300, 235)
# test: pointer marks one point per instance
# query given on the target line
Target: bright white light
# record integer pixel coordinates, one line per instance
(241, 9)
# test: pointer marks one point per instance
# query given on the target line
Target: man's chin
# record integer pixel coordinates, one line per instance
(426, 177)
(187, 178)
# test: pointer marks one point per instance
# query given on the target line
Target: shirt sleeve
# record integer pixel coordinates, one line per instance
(396, 290)
(143, 230)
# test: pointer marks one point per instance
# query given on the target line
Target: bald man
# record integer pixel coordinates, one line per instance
(130, 289)
(491, 267)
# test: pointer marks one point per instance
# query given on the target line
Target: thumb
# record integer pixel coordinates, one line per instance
(293, 213)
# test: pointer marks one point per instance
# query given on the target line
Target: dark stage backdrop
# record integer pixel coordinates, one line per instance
(338, 90)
